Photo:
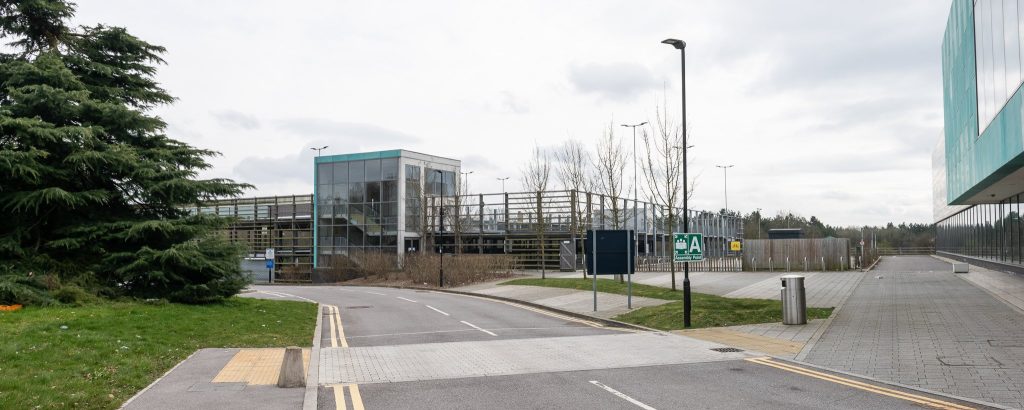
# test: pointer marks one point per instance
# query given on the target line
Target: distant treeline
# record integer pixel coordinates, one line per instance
(891, 235)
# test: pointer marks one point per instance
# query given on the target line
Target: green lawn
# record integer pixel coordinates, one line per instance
(708, 310)
(109, 351)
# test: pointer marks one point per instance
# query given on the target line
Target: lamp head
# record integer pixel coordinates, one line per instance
(678, 44)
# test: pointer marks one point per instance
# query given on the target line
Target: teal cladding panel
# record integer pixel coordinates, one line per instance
(974, 162)
(360, 156)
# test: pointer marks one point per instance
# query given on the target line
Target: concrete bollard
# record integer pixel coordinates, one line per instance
(292, 374)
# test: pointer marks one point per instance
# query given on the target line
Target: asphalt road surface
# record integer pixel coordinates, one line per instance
(385, 348)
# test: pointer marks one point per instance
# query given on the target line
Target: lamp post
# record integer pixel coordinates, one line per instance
(440, 274)
(681, 46)
(725, 172)
(503, 183)
(758, 223)
(318, 149)
(629, 300)
(466, 174)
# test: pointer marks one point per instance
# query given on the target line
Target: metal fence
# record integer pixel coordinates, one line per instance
(532, 225)
(808, 254)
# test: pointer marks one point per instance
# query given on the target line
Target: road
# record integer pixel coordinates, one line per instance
(385, 348)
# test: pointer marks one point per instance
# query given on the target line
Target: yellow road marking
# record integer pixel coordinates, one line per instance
(357, 399)
(339, 397)
(353, 392)
(330, 316)
(340, 329)
(927, 401)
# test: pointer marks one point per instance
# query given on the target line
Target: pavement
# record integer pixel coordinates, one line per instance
(912, 321)
(909, 326)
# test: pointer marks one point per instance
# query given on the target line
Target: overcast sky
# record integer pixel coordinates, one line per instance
(826, 108)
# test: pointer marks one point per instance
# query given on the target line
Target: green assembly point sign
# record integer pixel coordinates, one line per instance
(689, 247)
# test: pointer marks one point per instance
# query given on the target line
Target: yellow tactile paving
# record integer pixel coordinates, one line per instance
(746, 341)
(256, 366)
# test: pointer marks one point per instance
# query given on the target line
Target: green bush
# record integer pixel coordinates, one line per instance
(73, 295)
(23, 290)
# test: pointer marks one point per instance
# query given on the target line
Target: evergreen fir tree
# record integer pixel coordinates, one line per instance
(91, 188)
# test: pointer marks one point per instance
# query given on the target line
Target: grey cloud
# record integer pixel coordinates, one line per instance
(347, 131)
(614, 81)
(235, 119)
(513, 104)
(296, 169)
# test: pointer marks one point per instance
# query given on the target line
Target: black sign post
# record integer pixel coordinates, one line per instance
(615, 259)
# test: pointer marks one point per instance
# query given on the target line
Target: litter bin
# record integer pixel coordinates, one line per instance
(794, 300)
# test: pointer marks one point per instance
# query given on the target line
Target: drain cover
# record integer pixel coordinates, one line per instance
(358, 307)
(727, 349)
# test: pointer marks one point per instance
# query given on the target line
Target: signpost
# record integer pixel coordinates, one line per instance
(689, 247)
(268, 254)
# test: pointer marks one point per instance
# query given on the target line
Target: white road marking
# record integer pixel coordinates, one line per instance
(477, 328)
(374, 293)
(622, 395)
(437, 310)
(282, 294)
(407, 300)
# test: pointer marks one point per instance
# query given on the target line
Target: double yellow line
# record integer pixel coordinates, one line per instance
(339, 396)
(927, 401)
(337, 332)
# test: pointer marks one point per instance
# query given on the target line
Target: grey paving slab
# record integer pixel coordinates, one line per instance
(914, 322)
(189, 386)
(793, 333)
(431, 361)
(823, 289)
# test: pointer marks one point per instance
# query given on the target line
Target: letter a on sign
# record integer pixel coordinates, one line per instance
(695, 243)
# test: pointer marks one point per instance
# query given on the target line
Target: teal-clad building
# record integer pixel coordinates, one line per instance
(372, 201)
(978, 164)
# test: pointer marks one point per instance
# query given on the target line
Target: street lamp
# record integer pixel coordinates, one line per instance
(440, 274)
(466, 191)
(629, 301)
(503, 183)
(725, 172)
(681, 46)
(318, 149)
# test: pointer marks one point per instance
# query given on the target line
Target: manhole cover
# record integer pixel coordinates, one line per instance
(358, 307)
(727, 349)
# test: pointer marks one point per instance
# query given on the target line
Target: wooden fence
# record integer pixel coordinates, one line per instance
(811, 254)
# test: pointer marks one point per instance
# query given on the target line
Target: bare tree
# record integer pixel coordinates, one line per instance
(537, 173)
(574, 166)
(662, 168)
(576, 175)
(611, 166)
(535, 177)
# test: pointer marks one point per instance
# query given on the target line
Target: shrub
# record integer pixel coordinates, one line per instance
(23, 290)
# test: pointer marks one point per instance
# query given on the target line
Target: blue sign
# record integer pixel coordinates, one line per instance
(270, 264)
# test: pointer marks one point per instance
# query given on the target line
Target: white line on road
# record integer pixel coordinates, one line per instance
(374, 293)
(437, 310)
(477, 328)
(407, 300)
(622, 395)
(282, 294)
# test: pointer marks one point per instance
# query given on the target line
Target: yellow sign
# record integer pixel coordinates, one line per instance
(735, 246)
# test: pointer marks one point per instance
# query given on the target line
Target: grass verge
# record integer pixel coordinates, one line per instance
(109, 351)
(708, 310)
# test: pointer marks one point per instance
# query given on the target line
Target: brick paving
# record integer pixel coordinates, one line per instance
(914, 322)
(431, 361)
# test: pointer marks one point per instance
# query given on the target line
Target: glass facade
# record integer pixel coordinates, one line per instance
(357, 206)
(987, 231)
(999, 45)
